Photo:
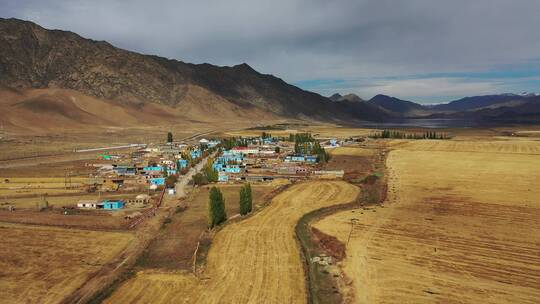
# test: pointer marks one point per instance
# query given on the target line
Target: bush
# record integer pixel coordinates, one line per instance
(199, 179)
(170, 181)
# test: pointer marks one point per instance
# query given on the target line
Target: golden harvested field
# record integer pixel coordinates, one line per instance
(256, 260)
(44, 264)
(521, 146)
(25, 187)
(173, 248)
(351, 151)
(461, 225)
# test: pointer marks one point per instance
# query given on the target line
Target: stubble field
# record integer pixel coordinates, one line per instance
(44, 264)
(256, 260)
(461, 225)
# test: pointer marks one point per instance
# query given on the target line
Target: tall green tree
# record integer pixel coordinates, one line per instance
(211, 174)
(249, 195)
(216, 208)
(246, 199)
(169, 137)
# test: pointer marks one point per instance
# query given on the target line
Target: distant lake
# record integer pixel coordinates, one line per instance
(434, 123)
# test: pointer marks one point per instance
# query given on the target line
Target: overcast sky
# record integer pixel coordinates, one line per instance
(423, 50)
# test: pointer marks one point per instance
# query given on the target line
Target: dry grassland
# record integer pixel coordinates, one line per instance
(461, 225)
(34, 186)
(256, 260)
(351, 151)
(43, 265)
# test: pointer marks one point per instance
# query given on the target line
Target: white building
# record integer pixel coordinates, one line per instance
(87, 204)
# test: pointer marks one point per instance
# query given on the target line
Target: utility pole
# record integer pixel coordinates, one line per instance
(353, 220)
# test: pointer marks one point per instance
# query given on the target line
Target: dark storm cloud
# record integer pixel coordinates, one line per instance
(360, 42)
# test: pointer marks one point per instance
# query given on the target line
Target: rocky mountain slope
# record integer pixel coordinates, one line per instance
(32, 57)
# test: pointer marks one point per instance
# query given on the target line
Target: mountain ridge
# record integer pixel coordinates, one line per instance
(32, 57)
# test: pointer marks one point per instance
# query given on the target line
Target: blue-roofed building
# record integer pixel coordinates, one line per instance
(124, 170)
(111, 205)
(158, 181)
(182, 163)
(301, 158)
(230, 156)
(295, 158)
(226, 168)
(152, 168)
(171, 171)
(231, 169)
(311, 158)
(196, 153)
(268, 140)
(217, 166)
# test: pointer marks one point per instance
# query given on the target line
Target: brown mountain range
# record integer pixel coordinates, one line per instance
(57, 78)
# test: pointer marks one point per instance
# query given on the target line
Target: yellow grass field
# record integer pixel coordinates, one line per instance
(351, 151)
(37, 186)
(256, 260)
(461, 225)
(44, 264)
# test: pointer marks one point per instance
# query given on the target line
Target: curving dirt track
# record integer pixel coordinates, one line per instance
(253, 261)
(461, 225)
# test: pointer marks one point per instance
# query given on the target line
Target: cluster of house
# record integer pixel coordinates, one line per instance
(149, 166)
(264, 159)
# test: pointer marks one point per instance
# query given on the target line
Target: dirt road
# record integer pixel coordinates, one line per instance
(183, 180)
(253, 261)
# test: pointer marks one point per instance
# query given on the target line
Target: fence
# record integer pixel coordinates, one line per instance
(148, 213)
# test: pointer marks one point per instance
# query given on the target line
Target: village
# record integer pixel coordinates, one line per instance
(157, 168)
(154, 200)
(140, 176)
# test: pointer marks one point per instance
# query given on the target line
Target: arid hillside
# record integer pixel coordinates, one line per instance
(53, 109)
(32, 57)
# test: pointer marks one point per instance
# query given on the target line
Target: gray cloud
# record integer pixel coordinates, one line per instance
(300, 40)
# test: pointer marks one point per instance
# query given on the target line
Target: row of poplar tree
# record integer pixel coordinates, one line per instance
(403, 135)
(216, 205)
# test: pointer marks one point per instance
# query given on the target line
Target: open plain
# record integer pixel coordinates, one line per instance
(44, 264)
(461, 224)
